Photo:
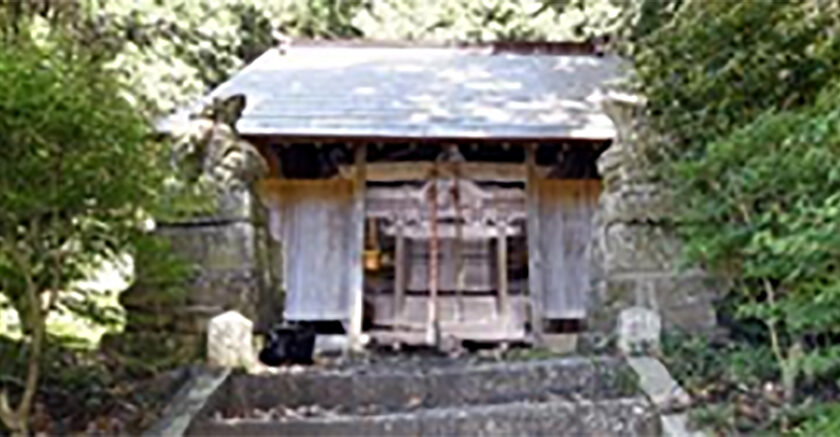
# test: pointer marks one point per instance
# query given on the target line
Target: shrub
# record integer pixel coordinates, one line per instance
(78, 178)
(745, 100)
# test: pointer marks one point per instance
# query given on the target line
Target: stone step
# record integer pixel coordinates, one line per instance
(398, 387)
(625, 416)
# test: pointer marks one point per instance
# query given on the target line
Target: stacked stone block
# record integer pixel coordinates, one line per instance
(229, 246)
(636, 254)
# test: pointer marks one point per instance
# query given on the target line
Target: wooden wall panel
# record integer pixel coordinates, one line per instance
(535, 277)
(566, 210)
(480, 312)
(313, 220)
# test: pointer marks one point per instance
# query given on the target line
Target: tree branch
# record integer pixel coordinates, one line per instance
(787, 363)
(771, 324)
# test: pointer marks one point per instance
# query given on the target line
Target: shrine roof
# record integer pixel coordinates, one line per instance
(422, 93)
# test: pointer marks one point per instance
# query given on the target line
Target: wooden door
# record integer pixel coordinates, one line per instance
(566, 210)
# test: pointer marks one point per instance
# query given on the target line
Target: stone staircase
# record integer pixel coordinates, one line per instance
(556, 396)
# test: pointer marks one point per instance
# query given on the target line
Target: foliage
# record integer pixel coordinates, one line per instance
(487, 20)
(764, 207)
(729, 381)
(823, 419)
(321, 18)
(715, 66)
(78, 180)
(170, 52)
(703, 364)
(745, 104)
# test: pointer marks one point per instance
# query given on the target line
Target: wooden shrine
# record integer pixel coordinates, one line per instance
(421, 193)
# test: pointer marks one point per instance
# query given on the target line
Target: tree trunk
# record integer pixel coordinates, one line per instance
(17, 419)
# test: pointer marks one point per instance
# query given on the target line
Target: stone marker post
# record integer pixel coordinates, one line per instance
(638, 331)
(230, 341)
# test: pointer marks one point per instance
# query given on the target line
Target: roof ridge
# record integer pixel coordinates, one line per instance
(592, 46)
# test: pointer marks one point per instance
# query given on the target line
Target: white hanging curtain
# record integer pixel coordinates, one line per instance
(315, 221)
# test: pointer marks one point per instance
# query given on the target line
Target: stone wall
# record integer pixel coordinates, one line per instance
(229, 245)
(635, 252)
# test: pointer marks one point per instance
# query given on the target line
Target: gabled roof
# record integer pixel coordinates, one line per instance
(453, 93)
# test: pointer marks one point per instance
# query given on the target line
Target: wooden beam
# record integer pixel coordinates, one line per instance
(419, 170)
(535, 277)
(394, 171)
(357, 244)
(385, 202)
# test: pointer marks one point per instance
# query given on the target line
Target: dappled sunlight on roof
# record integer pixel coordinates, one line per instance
(422, 92)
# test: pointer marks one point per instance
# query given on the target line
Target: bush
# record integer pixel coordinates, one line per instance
(745, 100)
(78, 178)
(710, 67)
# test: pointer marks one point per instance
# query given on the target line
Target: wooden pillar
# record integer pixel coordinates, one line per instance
(399, 274)
(535, 276)
(460, 265)
(502, 271)
(432, 334)
(357, 251)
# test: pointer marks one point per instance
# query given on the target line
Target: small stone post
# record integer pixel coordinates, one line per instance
(638, 331)
(230, 341)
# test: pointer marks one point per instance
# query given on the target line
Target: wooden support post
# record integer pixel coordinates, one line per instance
(460, 272)
(357, 226)
(432, 326)
(399, 274)
(502, 272)
(535, 276)
(460, 265)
